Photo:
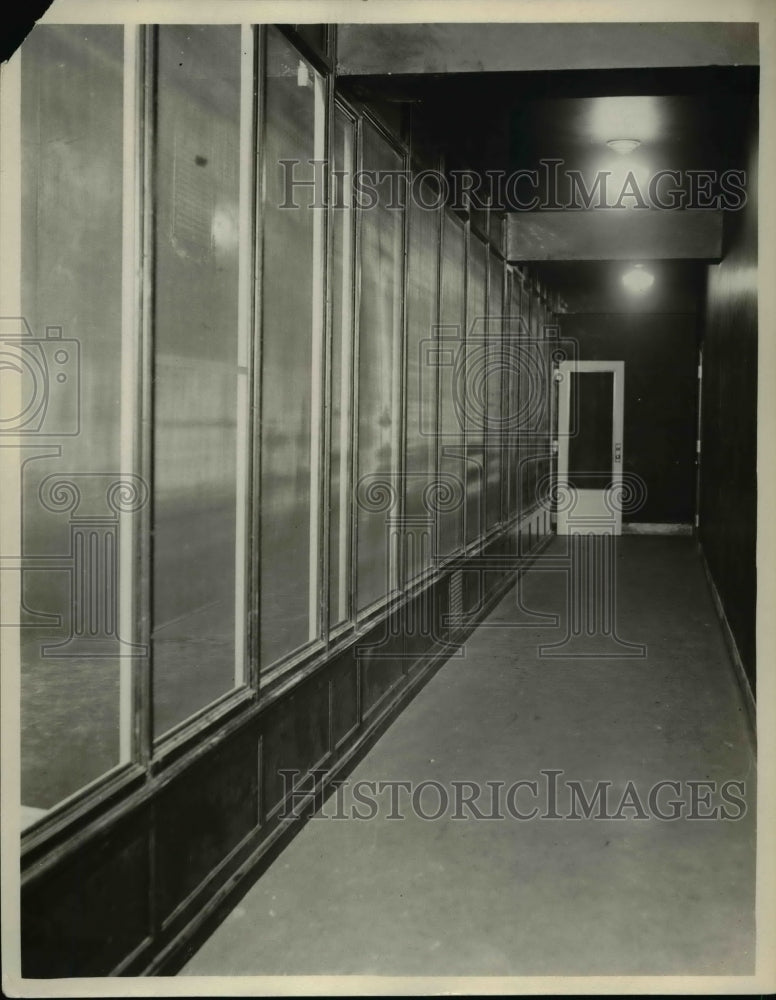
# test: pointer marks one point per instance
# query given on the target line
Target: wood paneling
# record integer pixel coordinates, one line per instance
(380, 658)
(202, 816)
(94, 911)
(104, 910)
(728, 486)
(343, 680)
(295, 737)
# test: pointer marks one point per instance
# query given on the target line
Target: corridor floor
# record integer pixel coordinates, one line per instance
(539, 896)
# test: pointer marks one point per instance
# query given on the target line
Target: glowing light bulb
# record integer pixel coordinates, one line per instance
(638, 279)
(623, 146)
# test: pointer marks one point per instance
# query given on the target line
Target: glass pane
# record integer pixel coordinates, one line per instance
(590, 446)
(314, 35)
(512, 442)
(451, 441)
(292, 305)
(420, 467)
(493, 389)
(72, 679)
(378, 369)
(341, 286)
(475, 392)
(530, 405)
(196, 371)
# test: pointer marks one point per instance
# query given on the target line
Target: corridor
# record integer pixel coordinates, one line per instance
(538, 897)
(385, 583)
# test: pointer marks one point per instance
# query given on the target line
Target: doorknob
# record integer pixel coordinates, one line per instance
(618, 452)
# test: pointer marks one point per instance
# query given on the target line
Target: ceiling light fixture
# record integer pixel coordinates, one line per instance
(623, 146)
(638, 279)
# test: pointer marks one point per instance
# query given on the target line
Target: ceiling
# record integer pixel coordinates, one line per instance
(507, 45)
(687, 114)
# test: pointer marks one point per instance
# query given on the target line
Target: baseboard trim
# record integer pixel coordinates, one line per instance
(730, 640)
(649, 528)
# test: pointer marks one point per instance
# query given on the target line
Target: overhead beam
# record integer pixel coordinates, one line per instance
(364, 49)
(615, 234)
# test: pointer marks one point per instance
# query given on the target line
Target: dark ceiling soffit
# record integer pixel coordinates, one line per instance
(513, 89)
(391, 49)
(613, 234)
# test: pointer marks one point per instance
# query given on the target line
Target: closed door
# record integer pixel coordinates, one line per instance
(590, 420)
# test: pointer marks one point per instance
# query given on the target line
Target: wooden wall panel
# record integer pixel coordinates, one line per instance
(295, 737)
(92, 913)
(420, 633)
(202, 816)
(380, 659)
(728, 480)
(345, 712)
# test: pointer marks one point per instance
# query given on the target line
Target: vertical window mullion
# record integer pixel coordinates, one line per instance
(242, 660)
(255, 622)
(398, 375)
(327, 556)
(436, 541)
(132, 707)
(144, 679)
(355, 393)
(346, 406)
(402, 572)
(340, 293)
(317, 367)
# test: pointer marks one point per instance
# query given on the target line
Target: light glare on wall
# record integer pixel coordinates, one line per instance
(638, 280)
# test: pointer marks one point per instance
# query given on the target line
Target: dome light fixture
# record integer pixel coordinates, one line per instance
(638, 280)
(623, 146)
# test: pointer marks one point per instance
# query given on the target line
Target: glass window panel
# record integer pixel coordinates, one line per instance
(475, 381)
(494, 389)
(545, 348)
(420, 461)
(528, 395)
(590, 447)
(292, 304)
(73, 683)
(514, 368)
(495, 223)
(197, 380)
(341, 291)
(314, 35)
(378, 368)
(451, 440)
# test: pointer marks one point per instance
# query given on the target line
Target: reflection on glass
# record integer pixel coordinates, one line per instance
(196, 378)
(341, 285)
(420, 462)
(378, 368)
(451, 442)
(292, 318)
(475, 382)
(71, 214)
